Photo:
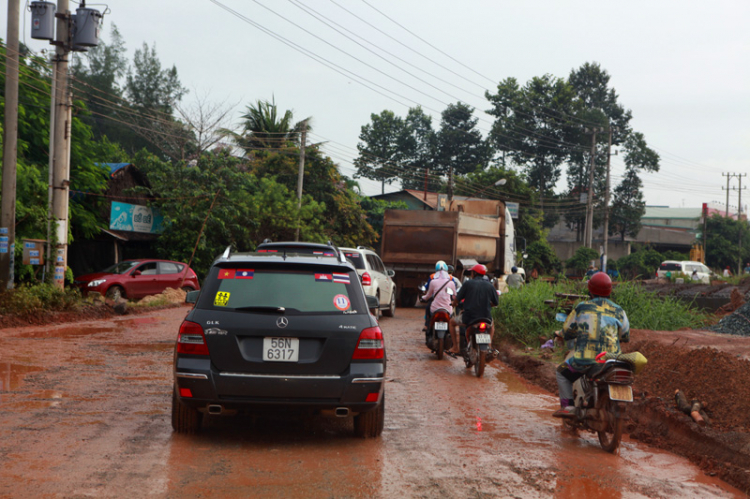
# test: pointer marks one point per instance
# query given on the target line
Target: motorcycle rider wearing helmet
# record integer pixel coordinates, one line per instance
(596, 325)
(479, 296)
(438, 291)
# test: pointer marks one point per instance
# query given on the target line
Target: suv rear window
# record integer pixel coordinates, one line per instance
(356, 259)
(670, 266)
(317, 291)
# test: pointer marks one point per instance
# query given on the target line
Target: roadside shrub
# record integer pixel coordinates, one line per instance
(646, 310)
(27, 299)
(582, 259)
(523, 316)
(542, 256)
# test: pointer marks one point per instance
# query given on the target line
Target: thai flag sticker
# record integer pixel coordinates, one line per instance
(244, 273)
(324, 277)
(341, 278)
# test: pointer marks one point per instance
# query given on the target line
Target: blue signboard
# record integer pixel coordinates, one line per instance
(135, 218)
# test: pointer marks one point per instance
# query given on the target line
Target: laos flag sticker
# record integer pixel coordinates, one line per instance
(341, 302)
(244, 273)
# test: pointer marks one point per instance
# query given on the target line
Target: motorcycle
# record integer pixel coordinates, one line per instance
(475, 344)
(438, 337)
(602, 394)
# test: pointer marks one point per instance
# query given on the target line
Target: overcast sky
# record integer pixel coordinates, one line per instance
(683, 68)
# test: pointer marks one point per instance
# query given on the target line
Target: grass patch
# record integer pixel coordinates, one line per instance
(523, 315)
(28, 299)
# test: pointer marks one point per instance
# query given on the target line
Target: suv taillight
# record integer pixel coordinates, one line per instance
(191, 339)
(370, 344)
(366, 280)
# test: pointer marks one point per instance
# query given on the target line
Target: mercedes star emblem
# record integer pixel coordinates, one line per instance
(282, 322)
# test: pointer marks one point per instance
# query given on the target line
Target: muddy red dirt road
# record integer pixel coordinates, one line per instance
(86, 412)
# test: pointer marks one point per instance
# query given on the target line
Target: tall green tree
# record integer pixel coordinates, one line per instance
(723, 237)
(532, 127)
(382, 148)
(420, 146)
(460, 145)
(628, 206)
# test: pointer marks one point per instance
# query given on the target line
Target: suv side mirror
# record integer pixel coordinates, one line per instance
(192, 296)
(136, 273)
(390, 272)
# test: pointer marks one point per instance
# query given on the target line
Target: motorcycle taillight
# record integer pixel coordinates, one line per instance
(482, 327)
(620, 377)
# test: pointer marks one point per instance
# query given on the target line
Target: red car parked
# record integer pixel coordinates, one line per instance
(135, 279)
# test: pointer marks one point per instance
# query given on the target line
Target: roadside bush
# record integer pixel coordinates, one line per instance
(582, 259)
(28, 299)
(646, 310)
(542, 256)
(523, 316)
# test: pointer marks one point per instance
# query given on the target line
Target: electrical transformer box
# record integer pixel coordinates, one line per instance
(43, 20)
(86, 30)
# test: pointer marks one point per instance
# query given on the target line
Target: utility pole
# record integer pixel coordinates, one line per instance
(61, 140)
(301, 176)
(10, 151)
(728, 176)
(606, 202)
(740, 222)
(450, 183)
(589, 231)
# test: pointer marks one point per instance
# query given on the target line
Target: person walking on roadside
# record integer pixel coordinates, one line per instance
(597, 325)
(727, 272)
(514, 280)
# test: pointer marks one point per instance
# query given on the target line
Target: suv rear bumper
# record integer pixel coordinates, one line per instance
(244, 391)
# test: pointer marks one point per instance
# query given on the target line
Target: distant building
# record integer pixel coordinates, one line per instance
(415, 200)
(111, 246)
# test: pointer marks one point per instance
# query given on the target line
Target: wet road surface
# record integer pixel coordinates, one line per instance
(86, 412)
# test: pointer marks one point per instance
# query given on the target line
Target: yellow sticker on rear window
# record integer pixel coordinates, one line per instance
(222, 297)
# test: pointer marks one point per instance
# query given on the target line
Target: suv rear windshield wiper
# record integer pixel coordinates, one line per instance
(279, 310)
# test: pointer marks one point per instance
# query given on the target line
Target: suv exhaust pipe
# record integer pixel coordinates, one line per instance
(342, 412)
(215, 409)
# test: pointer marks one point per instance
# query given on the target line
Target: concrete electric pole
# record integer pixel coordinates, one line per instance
(589, 231)
(10, 151)
(301, 176)
(61, 148)
(606, 202)
(741, 224)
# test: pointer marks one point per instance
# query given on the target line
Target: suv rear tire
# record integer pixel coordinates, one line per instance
(185, 419)
(370, 424)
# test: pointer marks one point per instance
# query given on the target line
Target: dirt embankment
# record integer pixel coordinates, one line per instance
(708, 367)
(97, 309)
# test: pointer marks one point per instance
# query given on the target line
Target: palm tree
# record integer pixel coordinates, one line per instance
(263, 128)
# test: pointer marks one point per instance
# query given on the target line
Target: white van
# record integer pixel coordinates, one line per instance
(685, 270)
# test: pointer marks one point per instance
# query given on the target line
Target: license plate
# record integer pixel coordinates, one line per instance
(281, 349)
(483, 338)
(441, 326)
(623, 393)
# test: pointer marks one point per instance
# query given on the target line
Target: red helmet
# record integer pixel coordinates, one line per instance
(479, 269)
(600, 285)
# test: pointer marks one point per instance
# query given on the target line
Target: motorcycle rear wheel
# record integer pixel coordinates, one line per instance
(440, 348)
(610, 439)
(479, 366)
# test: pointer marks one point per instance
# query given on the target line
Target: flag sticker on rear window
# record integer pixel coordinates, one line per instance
(244, 273)
(341, 302)
(323, 277)
(222, 297)
(341, 278)
(226, 273)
